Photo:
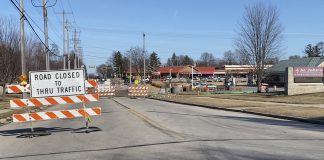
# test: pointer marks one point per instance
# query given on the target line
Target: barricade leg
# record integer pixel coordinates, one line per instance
(32, 132)
(87, 128)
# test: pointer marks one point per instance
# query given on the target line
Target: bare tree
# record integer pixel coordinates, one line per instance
(230, 58)
(259, 38)
(9, 52)
(137, 58)
(206, 59)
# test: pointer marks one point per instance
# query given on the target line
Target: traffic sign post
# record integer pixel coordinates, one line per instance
(52, 88)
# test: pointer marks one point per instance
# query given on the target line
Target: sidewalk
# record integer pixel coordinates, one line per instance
(311, 113)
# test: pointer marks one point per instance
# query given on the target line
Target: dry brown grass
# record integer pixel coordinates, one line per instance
(158, 84)
(226, 103)
(315, 98)
(304, 112)
(256, 103)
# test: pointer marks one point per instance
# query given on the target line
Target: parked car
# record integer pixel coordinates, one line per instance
(202, 85)
(209, 80)
(146, 80)
(211, 87)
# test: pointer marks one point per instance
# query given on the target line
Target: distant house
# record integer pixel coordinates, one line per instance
(275, 75)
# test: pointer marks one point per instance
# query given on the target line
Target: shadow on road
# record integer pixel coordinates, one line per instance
(45, 131)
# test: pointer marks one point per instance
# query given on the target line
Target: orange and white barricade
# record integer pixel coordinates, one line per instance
(138, 91)
(18, 88)
(106, 92)
(62, 114)
(31, 102)
(79, 96)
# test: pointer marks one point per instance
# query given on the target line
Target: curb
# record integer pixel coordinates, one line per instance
(298, 119)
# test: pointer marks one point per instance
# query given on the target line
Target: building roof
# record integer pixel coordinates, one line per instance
(206, 70)
(170, 69)
(301, 62)
(186, 70)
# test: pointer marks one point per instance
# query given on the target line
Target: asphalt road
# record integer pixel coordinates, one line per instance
(150, 129)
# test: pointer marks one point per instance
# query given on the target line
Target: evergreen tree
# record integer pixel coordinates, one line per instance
(118, 62)
(169, 63)
(175, 60)
(187, 60)
(154, 61)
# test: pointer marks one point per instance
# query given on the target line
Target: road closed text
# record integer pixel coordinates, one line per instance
(57, 76)
(57, 83)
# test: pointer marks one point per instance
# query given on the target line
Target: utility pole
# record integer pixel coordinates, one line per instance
(64, 47)
(22, 43)
(80, 56)
(68, 45)
(130, 69)
(144, 55)
(64, 36)
(46, 36)
(45, 6)
(75, 48)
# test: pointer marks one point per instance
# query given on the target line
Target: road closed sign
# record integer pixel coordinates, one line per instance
(57, 83)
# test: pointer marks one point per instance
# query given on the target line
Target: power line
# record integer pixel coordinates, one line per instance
(76, 25)
(33, 22)
(30, 25)
(53, 29)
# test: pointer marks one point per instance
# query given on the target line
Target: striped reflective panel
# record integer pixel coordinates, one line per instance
(63, 114)
(19, 103)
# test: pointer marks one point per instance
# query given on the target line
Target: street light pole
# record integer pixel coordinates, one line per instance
(130, 68)
(192, 74)
(144, 55)
(170, 77)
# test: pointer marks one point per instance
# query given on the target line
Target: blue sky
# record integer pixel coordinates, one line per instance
(182, 26)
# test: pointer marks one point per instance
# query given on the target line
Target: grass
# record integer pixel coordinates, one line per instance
(304, 112)
(314, 98)
(301, 106)
(159, 84)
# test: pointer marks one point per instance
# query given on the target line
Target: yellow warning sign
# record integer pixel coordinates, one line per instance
(136, 82)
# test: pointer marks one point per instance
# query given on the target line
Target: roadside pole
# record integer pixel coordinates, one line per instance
(130, 69)
(144, 56)
(22, 50)
(22, 44)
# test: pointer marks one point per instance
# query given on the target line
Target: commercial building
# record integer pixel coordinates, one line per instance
(276, 75)
(184, 72)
